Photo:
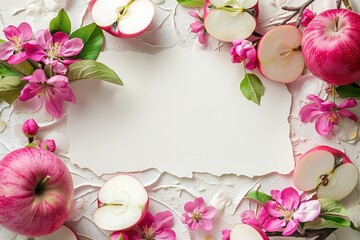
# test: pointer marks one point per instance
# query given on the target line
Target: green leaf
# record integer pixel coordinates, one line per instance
(191, 3)
(10, 88)
(326, 222)
(89, 69)
(258, 196)
(352, 90)
(61, 23)
(252, 88)
(2, 41)
(332, 207)
(93, 39)
(21, 69)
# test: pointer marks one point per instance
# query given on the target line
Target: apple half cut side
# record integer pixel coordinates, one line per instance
(230, 19)
(328, 171)
(247, 232)
(62, 233)
(123, 203)
(279, 54)
(123, 18)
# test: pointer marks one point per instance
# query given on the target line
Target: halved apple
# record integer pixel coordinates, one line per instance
(123, 203)
(62, 233)
(123, 18)
(247, 232)
(279, 54)
(230, 20)
(326, 170)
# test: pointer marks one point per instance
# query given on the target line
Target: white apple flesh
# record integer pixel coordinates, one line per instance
(331, 46)
(63, 233)
(36, 192)
(279, 55)
(247, 232)
(328, 171)
(123, 18)
(230, 20)
(123, 203)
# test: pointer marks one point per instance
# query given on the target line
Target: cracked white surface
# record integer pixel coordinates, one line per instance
(168, 191)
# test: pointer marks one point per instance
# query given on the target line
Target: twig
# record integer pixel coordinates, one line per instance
(338, 4)
(347, 4)
(297, 11)
(320, 234)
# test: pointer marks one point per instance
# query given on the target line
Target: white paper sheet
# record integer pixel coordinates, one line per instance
(180, 111)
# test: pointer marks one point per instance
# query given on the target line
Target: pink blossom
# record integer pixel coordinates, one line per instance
(226, 234)
(198, 26)
(306, 17)
(54, 91)
(30, 128)
(119, 236)
(326, 113)
(54, 50)
(156, 227)
(244, 50)
(14, 49)
(287, 210)
(249, 217)
(198, 215)
(48, 144)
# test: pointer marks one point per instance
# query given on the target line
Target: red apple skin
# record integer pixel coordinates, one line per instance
(333, 151)
(263, 235)
(21, 210)
(333, 56)
(117, 33)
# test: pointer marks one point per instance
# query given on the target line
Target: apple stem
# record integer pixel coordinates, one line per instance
(336, 24)
(39, 188)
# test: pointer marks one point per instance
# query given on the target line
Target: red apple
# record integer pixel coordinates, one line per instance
(326, 170)
(123, 18)
(123, 203)
(36, 192)
(331, 46)
(279, 54)
(63, 233)
(247, 232)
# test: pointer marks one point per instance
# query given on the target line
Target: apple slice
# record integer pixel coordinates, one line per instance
(247, 232)
(62, 233)
(230, 19)
(328, 171)
(123, 18)
(279, 54)
(123, 202)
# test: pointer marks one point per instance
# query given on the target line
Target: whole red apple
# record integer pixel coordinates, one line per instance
(331, 46)
(36, 192)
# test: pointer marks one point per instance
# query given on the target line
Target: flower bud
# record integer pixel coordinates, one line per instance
(49, 145)
(244, 50)
(30, 128)
(118, 235)
(306, 17)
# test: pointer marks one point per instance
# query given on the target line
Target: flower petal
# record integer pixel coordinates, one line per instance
(72, 47)
(147, 221)
(209, 212)
(11, 31)
(206, 224)
(60, 37)
(53, 106)
(59, 67)
(274, 224)
(308, 112)
(28, 92)
(276, 195)
(44, 39)
(290, 198)
(193, 14)
(6, 50)
(38, 76)
(163, 220)
(272, 208)
(323, 125)
(263, 215)
(26, 33)
(348, 103)
(166, 234)
(348, 114)
(35, 52)
(308, 211)
(290, 227)
(17, 58)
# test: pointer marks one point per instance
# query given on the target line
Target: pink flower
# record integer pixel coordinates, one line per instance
(54, 91)
(287, 210)
(249, 217)
(306, 17)
(243, 50)
(54, 50)
(30, 128)
(198, 215)
(198, 27)
(326, 113)
(48, 144)
(119, 236)
(156, 227)
(226, 234)
(14, 49)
